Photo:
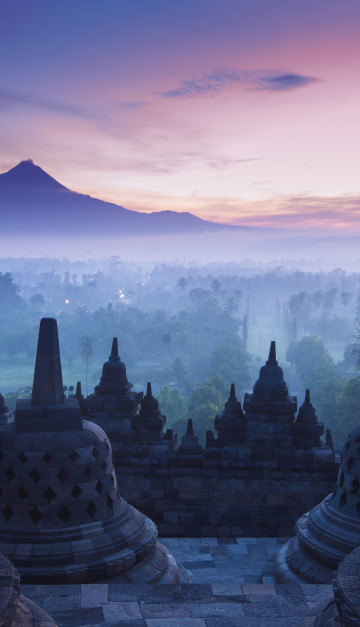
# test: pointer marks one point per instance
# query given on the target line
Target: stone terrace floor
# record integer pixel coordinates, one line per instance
(233, 586)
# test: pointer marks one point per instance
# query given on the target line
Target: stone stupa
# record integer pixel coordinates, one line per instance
(331, 530)
(62, 519)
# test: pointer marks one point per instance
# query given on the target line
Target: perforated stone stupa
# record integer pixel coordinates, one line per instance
(331, 530)
(62, 519)
(134, 422)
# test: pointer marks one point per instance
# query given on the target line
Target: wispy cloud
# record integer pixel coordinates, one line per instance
(207, 82)
(218, 80)
(10, 100)
(283, 82)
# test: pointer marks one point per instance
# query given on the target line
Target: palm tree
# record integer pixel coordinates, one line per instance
(345, 298)
(182, 283)
(87, 352)
(215, 286)
(231, 305)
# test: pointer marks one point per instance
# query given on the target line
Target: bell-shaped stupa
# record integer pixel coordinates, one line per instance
(331, 530)
(269, 413)
(307, 429)
(62, 519)
(231, 424)
(113, 404)
(231, 428)
(189, 442)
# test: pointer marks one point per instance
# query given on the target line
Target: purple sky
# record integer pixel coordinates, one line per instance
(243, 112)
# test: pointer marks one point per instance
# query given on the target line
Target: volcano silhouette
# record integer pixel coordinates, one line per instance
(34, 203)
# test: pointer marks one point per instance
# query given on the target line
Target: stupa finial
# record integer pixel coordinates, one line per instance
(272, 355)
(114, 348)
(48, 383)
(307, 397)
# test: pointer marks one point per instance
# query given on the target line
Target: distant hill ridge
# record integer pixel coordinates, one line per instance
(33, 203)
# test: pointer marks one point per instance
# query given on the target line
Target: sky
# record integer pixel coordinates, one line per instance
(240, 111)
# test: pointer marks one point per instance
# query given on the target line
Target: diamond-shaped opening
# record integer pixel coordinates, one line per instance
(341, 480)
(64, 514)
(99, 487)
(10, 473)
(110, 503)
(118, 493)
(49, 494)
(47, 458)
(350, 463)
(7, 511)
(107, 447)
(354, 485)
(347, 446)
(95, 453)
(35, 515)
(112, 480)
(62, 475)
(76, 491)
(343, 500)
(74, 455)
(34, 476)
(88, 471)
(91, 510)
(21, 493)
(22, 458)
(103, 466)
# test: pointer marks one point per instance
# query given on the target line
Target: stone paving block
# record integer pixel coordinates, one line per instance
(231, 578)
(167, 590)
(189, 542)
(198, 557)
(121, 611)
(258, 589)
(246, 540)
(268, 579)
(205, 575)
(274, 606)
(127, 591)
(61, 603)
(209, 541)
(88, 616)
(292, 590)
(251, 622)
(223, 610)
(165, 610)
(224, 589)
(192, 593)
(93, 595)
(195, 565)
(121, 623)
(174, 622)
(170, 542)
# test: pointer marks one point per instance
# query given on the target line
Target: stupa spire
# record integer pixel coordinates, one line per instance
(272, 355)
(114, 349)
(48, 383)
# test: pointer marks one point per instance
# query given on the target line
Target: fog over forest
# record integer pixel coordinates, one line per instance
(191, 328)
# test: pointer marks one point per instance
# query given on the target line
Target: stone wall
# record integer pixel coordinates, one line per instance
(199, 497)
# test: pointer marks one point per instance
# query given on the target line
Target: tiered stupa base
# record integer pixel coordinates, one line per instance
(15, 609)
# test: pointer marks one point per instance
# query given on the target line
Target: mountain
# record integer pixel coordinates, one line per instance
(33, 203)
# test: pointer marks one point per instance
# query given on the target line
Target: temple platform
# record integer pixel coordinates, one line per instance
(233, 586)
